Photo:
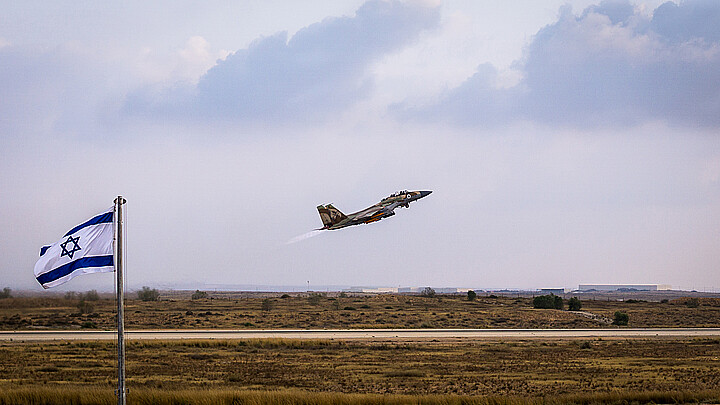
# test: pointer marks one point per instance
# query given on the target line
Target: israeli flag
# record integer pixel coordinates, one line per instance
(87, 248)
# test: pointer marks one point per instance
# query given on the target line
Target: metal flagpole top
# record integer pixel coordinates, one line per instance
(120, 200)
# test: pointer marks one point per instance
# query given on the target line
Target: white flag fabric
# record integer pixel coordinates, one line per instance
(87, 248)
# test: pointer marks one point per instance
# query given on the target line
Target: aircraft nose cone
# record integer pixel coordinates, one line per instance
(425, 193)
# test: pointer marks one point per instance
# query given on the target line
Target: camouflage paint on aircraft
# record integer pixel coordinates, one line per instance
(332, 218)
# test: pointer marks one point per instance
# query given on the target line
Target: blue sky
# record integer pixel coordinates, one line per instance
(566, 142)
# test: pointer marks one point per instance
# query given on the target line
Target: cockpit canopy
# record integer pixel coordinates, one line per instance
(399, 193)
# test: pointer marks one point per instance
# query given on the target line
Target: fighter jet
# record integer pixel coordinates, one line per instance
(332, 218)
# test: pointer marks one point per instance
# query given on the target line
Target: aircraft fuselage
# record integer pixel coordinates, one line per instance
(334, 219)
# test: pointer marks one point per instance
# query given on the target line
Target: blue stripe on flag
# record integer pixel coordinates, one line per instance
(102, 218)
(62, 271)
(44, 249)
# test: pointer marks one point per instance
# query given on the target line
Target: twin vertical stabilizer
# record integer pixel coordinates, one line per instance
(330, 215)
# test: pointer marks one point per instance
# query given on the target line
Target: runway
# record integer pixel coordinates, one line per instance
(380, 334)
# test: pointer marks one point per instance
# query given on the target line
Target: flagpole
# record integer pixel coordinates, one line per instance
(119, 201)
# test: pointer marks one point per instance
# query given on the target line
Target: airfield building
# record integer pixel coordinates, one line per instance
(556, 291)
(439, 290)
(624, 287)
(372, 290)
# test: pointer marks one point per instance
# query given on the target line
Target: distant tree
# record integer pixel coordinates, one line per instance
(428, 292)
(574, 304)
(199, 295)
(343, 295)
(91, 295)
(148, 294)
(543, 302)
(285, 296)
(471, 295)
(551, 301)
(267, 304)
(71, 295)
(6, 293)
(621, 318)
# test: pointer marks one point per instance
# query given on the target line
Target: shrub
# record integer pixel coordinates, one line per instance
(199, 295)
(6, 293)
(267, 304)
(692, 303)
(71, 295)
(551, 301)
(574, 304)
(471, 295)
(85, 307)
(314, 298)
(285, 296)
(621, 318)
(91, 295)
(148, 294)
(428, 292)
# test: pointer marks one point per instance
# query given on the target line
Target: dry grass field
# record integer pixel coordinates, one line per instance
(531, 370)
(438, 371)
(142, 396)
(321, 312)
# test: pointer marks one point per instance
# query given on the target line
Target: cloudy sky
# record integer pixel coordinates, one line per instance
(566, 142)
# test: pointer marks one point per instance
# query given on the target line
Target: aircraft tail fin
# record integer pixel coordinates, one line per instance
(330, 215)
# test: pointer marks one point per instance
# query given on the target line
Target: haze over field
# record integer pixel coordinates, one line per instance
(565, 142)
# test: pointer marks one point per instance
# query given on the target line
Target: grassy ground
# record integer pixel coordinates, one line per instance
(383, 311)
(445, 371)
(84, 395)
(530, 369)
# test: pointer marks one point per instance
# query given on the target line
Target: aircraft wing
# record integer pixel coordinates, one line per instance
(375, 213)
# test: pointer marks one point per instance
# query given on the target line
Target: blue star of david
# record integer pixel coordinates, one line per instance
(75, 248)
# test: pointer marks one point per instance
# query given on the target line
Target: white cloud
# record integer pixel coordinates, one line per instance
(610, 66)
(317, 72)
(186, 64)
(198, 58)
